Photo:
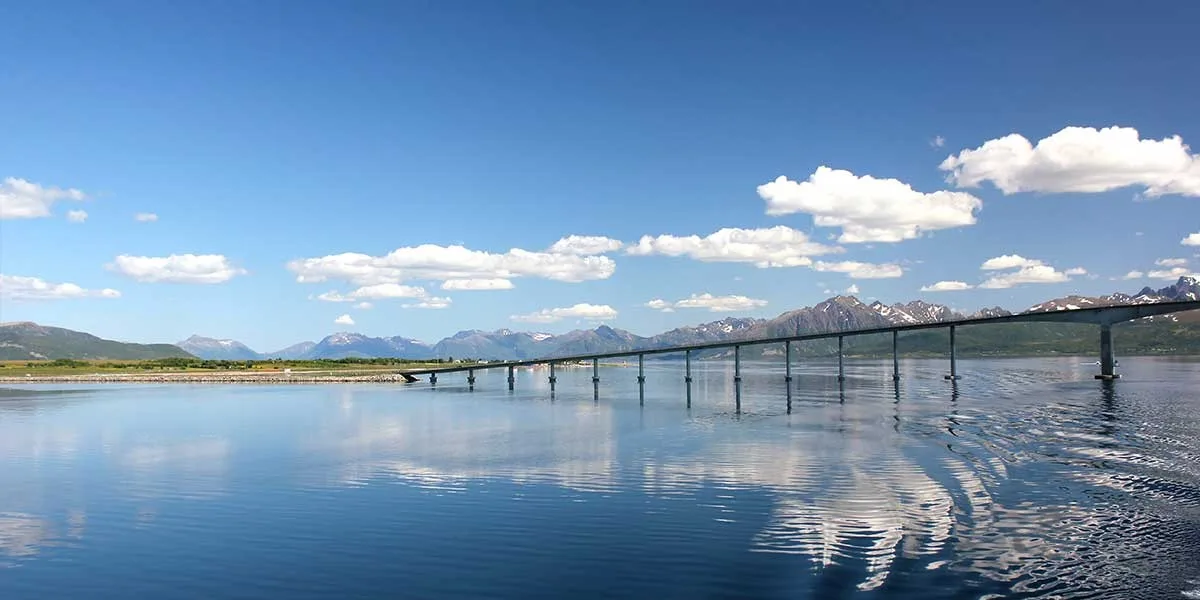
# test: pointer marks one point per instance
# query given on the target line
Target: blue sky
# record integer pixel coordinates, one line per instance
(271, 139)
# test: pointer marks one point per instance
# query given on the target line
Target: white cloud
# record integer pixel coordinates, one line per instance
(1173, 273)
(1073, 271)
(860, 270)
(430, 302)
(145, 217)
(1009, 261)
(1031, 274)
(770, 247)
(937, 141)
(344, 320)
(591, 312)
(712, 303)
(1171, 262)
(16, 287)
(477, 284)
(441, 263)
(21, 199)
(1134, 275)
(868, 209)
(585, 245)
(364, 305)
(77, 216)
(177, 268)
(1191, 240)
(947, 286)
(1080, 159)
(853, 289)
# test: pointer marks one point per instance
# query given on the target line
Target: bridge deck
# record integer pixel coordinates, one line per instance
(1100, 315)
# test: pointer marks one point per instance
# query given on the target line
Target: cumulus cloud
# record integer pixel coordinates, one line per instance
(591, 312)
(1027, 270)
(1191, 240)
(585, 245)
(16, 287)
(937, 141)
(1171, 262)
(1009, 261)
(868, 209)
(1172, 273)
(77, 216)
(344, 320)
(430, 302)
(947, 286)
(363, 305)
(477, 284)
(21, 199)
(770, 247)
(713, 303)
(860, 270)
(1079, 159)
(145, 217)
(853, 289)
(443, 263)
(177, 268)
(1133, 275)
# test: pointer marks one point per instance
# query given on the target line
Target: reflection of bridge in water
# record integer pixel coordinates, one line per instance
(1104, 316)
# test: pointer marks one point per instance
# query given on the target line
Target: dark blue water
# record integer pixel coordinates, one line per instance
(1026, 479)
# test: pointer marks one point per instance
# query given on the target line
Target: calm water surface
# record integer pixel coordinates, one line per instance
(1026, 479)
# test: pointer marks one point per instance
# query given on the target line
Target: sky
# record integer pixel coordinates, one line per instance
(279, 170)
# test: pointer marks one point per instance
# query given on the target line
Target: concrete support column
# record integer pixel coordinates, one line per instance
(737, 364)
(512, 379)
(687, 375)
(1108, 364)
(470, 378)
(553, 380)
(641, 369)
(433, 379)
(595, 370)
(841, 358)
(896, 356)
(787, 363)
(953, 357)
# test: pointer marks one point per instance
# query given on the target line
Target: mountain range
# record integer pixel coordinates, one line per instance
(835, 314)
(1177, 332)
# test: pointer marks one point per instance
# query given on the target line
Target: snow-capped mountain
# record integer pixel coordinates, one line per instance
(214, 349)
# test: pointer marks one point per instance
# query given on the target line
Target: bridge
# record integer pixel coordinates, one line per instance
(1104, 316)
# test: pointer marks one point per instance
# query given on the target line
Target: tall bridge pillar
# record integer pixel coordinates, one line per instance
(841, 359)
(687, 375)
(433, 379)
(953, 358)
(787, 363)
(512, 379)
(553, 380)
(1108, 365)
(471, 378)
(595, 370)
(895, 356)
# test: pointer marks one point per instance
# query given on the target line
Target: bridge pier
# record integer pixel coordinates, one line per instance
(953, 376)
(433, 379)
(841, 358)
(595, 370)
(687, 375)
(553, 380)
(737, 364)
(1108, 365)
(787, 365)
(641, 378)
(895, 356)
(471, 378)
(512, 379)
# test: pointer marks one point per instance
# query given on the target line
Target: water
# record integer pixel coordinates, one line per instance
(1026, 479)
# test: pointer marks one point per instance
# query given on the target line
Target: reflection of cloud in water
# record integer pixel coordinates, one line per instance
(189, 468)
(21, 534)
(442, 451)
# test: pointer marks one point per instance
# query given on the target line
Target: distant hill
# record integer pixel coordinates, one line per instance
(30, 341)
(1165, 333)
(213, 349)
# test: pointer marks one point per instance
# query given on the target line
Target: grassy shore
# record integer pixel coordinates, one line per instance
(77, 368)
